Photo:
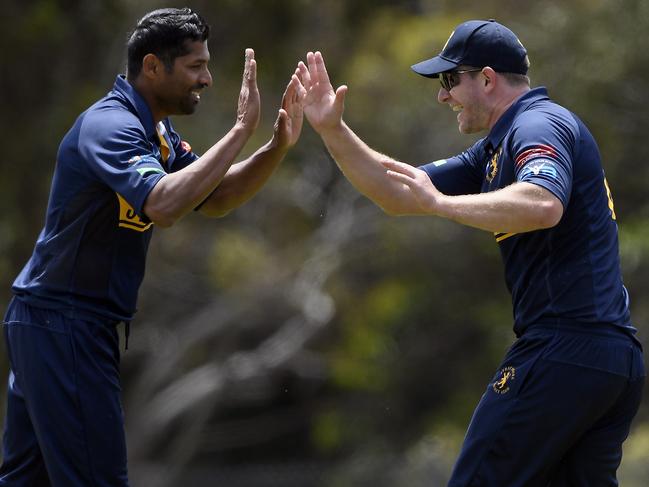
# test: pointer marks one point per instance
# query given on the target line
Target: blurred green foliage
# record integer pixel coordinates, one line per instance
(308, 329)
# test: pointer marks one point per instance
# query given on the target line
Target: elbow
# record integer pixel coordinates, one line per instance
(160, 207)
(215, 206)
(160, 217)
(391, 207)
(162, 221)
(550, 213)
(213, 212)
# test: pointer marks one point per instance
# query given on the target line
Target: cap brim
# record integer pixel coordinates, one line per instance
(433, 66)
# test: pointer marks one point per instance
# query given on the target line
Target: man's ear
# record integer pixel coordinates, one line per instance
(489, 78)
(151, 66)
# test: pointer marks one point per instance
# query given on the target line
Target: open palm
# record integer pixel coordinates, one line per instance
(322, 106)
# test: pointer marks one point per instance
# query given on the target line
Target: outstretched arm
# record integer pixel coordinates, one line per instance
(244, 179)
(362, 165)
(178, 193)
(401, 189)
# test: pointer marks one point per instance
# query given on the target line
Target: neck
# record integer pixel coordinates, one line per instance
(145, 91)
(505, 101)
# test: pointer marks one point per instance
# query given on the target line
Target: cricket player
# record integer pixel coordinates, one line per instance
(560, 404)
(121, 170)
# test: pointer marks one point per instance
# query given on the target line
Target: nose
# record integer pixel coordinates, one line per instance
(443, 95)
(206, 78)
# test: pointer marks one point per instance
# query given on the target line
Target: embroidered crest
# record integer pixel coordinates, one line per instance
(493, 167)
(506, 377)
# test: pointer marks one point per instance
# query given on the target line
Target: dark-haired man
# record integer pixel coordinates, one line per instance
(561, 403)
(120, 170)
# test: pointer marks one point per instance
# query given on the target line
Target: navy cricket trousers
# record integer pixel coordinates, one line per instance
(556, 413)
(64, 421)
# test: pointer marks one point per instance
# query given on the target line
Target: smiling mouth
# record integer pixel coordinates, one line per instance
(457, 108)
(196, 95)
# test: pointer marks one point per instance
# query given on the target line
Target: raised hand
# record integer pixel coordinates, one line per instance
(248, 108)
(322, 106)
(289, 120)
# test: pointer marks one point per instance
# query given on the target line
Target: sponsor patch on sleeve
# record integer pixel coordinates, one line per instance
(145, 164)
(141, 159)
(539, 167)
(541, 150)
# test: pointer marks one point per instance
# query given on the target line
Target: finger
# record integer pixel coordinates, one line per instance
(290, 93)
(282, 122)
(295, 88)
(295, 95)
(300, 85)
(303, 73)
(401, 178)
(300, 92)
(313, 69)
(340, 97)
(247, 55)
(287, 97)
(282, 118)
(401, 168)
(250, 66)
(252, 72)
(323, 76)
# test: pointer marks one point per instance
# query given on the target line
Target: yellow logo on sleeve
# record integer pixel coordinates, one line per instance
(507, 376)
(128, 218)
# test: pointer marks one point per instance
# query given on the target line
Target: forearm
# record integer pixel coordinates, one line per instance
(243, 180)
(179, 193)
(521, 207)
(363, 167)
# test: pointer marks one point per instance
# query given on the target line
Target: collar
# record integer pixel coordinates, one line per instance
(504, 123)
(126, 90)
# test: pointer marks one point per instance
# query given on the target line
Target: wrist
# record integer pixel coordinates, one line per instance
(442, 207)
(243, 129)
(332, 131)
(275, 144)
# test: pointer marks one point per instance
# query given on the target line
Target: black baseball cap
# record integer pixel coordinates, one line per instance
(478, 43)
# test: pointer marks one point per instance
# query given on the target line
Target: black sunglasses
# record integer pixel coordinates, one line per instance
(450, 79)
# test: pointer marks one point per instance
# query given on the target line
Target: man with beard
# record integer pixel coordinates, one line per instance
(120, 170)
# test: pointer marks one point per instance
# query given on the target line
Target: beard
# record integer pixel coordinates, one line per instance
(179, 104)
(187, 106)
(474, 121)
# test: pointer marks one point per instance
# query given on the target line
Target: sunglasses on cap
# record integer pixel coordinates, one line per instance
(450, 79)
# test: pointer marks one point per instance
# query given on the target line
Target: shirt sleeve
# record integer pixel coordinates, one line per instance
(459, 174)
(116, 150)
(542, 148)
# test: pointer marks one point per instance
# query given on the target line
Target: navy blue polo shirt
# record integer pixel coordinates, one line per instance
(89, 258)
(568, 274)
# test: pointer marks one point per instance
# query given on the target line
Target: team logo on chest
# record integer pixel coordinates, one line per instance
(505, 378)
(492, 166)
